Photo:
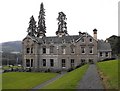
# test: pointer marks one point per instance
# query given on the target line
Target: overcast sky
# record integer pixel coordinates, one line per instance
(82, 15)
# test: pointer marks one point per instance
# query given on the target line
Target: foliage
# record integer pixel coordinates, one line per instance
(32, 27)
(24, 80)
(62, 28)
(41, 21)
(115, 44)
(11, 59)
(109, 73)
(118, 45)
(69, 80)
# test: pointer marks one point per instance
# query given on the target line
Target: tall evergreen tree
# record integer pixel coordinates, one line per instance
(41, 21)
(32, 27)
(62, 28)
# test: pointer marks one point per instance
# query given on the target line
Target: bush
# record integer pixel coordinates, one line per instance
(108, 59)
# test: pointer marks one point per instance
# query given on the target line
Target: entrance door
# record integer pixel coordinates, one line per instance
(91, 61)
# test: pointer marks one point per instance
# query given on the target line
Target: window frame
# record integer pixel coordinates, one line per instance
(63, 50)
(106, 54)
(90, 50)
(101, 54)
(28, 50)
(44, 50)
(51, 49)
(63, 63)
(72, 49)
(72, 61)
(83, 40)
(28, 63)
(83, 49)
(44, 62)
(90, 40)
(51, 62)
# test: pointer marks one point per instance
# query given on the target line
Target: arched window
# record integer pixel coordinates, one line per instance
(90, 40)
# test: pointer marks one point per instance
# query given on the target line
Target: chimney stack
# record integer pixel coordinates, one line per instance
(95, 34)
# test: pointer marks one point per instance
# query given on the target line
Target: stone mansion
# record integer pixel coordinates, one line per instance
(63, 51)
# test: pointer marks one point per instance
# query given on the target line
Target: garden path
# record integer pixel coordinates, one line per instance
(48, 82)
(91, 79)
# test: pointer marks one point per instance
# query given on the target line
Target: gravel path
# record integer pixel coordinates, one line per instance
(91, 79)
(48, 82)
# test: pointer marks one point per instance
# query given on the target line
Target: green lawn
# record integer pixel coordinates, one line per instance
(7, 67)
(0, 82)
(109, 73)
(24, 80)
(69, 80)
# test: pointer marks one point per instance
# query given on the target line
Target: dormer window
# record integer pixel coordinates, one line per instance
(72, 49)
(51, 49)
(32, 50)
(51, 41)
(63, 50)
(44, 41)
(44, 50)
(83, 40)
(63, 40)
(73, 41)
(28, 50)
(90, 40)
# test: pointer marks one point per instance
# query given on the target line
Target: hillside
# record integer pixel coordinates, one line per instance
(12, 46)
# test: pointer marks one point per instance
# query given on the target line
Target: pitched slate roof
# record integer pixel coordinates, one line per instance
(104, 46)
(58, 40)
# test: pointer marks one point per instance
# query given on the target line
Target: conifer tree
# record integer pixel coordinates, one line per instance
(41, 21)
(62, 28)
(32, 27)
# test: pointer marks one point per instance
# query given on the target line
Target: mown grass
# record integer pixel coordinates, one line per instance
(109, 73)
(24, 80)
(69, 80)
(8, 67)
(0, 82)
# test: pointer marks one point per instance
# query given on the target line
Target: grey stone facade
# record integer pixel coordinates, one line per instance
(63, 52)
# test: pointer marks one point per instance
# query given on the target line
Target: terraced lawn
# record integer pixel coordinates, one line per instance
(109, 73)
(24, 80)
(69, 80)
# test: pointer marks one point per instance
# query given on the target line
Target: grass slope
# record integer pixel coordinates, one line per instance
(109, 73)
(24, 80)
(69, 80)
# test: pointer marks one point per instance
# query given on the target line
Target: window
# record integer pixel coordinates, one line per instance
(63, 63)
(101, 54)
(44, 50)
(31, 62)
(83, 40)
(63, 50)
(106, 54)
(63, 40)
(27, 62)
(91, 61)
(90, 50)
(51, 62)
(28, 50)
(32, 50)
(72, 49)
(90, 39)
(72, 62)
(44, 62)
(83, 50)
(51, 49)
(82, 61)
